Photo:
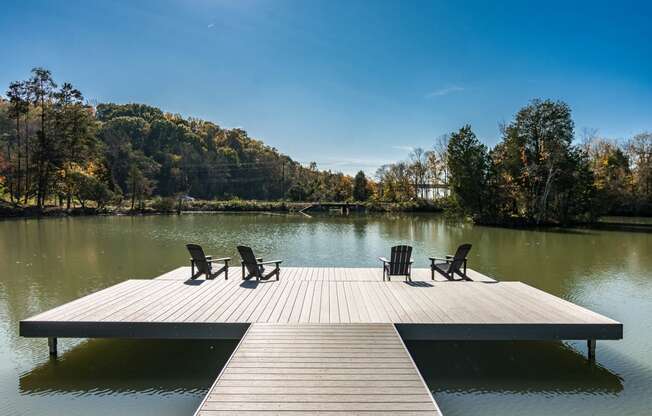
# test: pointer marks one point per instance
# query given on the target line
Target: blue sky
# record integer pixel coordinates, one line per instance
(349, 84)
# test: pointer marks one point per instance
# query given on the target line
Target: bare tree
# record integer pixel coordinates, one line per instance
(639, 149)
(418, 169)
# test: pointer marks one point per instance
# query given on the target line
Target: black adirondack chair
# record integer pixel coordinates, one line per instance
(204, 263)
(255, 266)
(451, 265)
(400, 263)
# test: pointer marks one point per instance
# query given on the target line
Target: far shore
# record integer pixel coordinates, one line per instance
(162, 207)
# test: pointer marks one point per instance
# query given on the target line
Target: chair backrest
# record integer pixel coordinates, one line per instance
(459, 257)
(249, 260)
(197, 254)
(400, 260)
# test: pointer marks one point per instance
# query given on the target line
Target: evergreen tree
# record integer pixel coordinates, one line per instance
(468, 163)
(360, 187)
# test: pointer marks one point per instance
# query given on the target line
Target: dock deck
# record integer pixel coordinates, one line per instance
(317, 368)
(422, 309)
(327, 327)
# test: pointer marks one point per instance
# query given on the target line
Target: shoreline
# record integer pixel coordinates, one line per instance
(8, 211)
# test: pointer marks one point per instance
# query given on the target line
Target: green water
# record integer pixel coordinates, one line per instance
(48, 262)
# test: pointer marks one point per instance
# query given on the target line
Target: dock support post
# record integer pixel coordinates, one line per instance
(590, 343)
(52, 344)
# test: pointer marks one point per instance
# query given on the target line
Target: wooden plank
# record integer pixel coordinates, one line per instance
(127, 303)
(265, 303)
(319, 376)
(303, 413)
(306, 309)
(340, 297)
(276, 311)
(364, 397)
(290, 304)
(303, 390)
(89, 301)
(275, 299)
(312, 383)
(193, 312)
(315, 308)
(295, 315)
(299, 379)
(188, 297)
(319, 359)
(245, 313)
(206, 311)
(318, 407)
(351, 305)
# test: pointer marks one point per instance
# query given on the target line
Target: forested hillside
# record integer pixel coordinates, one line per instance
(57, 149)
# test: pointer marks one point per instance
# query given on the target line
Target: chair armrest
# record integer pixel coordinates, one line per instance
(259, 259)
(383, 259)
(270, 262)
(222, 259)
(209, 258)
(433, 259)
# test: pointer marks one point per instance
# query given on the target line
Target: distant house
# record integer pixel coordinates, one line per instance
(432, 191)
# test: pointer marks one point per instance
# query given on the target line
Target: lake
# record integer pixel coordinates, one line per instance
(44, 263)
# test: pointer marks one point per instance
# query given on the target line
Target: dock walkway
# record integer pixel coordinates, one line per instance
(307, 369)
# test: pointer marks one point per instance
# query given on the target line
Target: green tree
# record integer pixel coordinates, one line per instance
(75, 133)
(613, 177)
(41, 86)
(468, 163)
(360, 187)
(122, 136)
(88, 188)
(541, 136)
(18, 108)
(140, 180)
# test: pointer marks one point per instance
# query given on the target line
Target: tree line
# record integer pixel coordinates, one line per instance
(537, 174)
(57, 149)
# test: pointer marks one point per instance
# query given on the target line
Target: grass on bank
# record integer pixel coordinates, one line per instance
(171, 205)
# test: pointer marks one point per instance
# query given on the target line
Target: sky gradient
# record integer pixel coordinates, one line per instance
(350, 85)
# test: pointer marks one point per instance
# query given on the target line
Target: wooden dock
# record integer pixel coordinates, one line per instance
(327, 308)
(318, 368)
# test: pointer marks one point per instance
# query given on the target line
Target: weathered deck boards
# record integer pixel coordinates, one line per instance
(315, 368)
(174, 308)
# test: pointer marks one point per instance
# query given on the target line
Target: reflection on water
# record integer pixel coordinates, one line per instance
(48, 262)
(130, 366)
(510, 367)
